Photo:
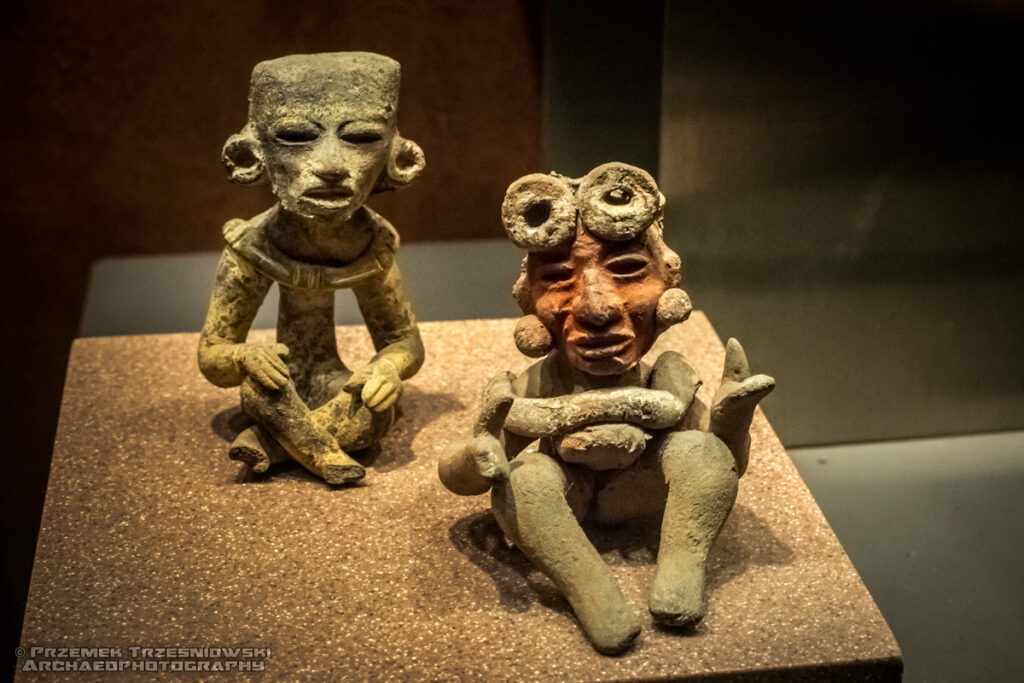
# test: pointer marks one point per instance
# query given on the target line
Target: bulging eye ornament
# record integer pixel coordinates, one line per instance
(615, 201)
(618, 202)
(539, 212)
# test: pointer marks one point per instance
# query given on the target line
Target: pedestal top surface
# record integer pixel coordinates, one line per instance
(152, 537)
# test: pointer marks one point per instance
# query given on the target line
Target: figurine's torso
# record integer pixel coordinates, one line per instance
(305, 319)
(252, 240)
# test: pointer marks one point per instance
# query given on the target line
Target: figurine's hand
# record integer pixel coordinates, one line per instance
(378, 383)
(472, 467)
(489, 456)
(264, 363)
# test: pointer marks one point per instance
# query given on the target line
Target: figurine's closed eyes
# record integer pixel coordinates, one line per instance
(296, 133)
(627, 266)
(554, 273)
(303, 132)
(359, 133)
(362, 137)
(622, 265)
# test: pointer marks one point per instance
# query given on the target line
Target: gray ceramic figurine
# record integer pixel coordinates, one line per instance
(613, 439)
(322, 130)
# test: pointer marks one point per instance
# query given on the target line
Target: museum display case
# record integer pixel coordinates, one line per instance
(843, 185)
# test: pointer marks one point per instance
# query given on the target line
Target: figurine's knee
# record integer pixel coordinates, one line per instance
(534, 490)
(267, 406)
(692, 456)
(353, 429)
(702, 487)
(558, 481)
(536, 471)
(364, 428)
(534, 480)
(254, 401)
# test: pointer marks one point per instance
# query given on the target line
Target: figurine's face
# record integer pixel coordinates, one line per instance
(598, 299)
(322, 152)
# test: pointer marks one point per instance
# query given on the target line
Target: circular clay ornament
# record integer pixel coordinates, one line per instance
(531, 337)
(405, 161)
(539, 212)
(673, 307)
(618, 201)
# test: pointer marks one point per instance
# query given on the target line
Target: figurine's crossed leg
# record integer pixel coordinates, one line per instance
(318, 439)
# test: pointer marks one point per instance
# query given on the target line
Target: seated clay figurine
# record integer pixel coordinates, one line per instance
(618, 440)
(322, 129)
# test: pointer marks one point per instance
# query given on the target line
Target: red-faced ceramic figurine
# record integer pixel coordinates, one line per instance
(590, 431)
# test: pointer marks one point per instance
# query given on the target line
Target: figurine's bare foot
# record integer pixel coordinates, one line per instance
(339, 468)
(607, 620)
(677, 596)
(246, 448)
(257, 449)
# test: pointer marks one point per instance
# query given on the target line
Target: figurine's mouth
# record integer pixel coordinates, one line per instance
(598, 347)
(329, 195)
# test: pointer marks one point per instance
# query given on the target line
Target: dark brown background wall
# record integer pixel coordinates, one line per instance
(114, 117)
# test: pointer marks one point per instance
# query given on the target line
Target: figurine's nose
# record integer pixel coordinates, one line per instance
(598, 304)
(328, 161)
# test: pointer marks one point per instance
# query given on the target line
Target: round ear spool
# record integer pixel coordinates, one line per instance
(673, 307)
(618, 201)
(531, 337)
(539, 212)
(405, 162)
(242, 159)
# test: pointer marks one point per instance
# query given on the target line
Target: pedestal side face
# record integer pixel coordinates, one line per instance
(151, 537)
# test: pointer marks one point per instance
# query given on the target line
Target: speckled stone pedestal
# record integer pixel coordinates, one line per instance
(151, 537)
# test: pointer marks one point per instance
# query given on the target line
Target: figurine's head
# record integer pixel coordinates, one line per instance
(599, 282)
(322, 128)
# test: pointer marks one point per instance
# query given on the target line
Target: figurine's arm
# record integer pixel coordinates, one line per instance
(392, 325)
(472, 467)
(733, 408)
(224, 357)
